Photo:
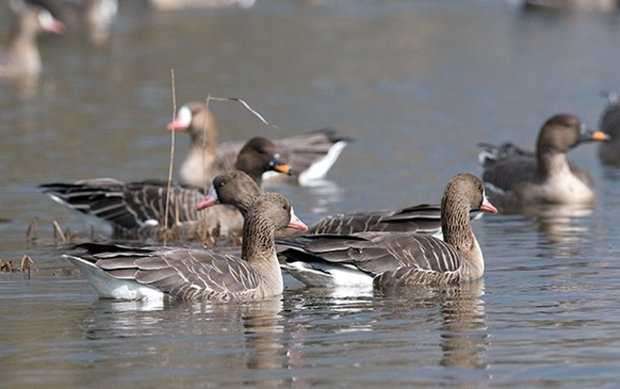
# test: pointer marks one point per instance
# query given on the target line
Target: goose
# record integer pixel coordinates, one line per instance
(149, 273)
(516, 178)
(609, 152)
(388, 259)
(21, 58)
(93, 17)
(310, 155)
(239, 189)
(137, 209)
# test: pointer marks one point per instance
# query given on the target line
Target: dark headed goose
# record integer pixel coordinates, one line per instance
(609, 152)
(310, 155)
(237, 188)
(137, 209)
(196, 274)
(516, 178)
(21, 57)
(396, 259)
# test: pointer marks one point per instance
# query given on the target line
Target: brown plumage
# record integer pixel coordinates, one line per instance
(137, 209)
(516, 178)
(21, 58)
(309, 155)
(195, 274)
(396, 259)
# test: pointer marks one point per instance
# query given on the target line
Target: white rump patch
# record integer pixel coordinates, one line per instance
(107, 286)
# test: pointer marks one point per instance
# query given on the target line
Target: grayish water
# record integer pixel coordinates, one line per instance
(418, 84)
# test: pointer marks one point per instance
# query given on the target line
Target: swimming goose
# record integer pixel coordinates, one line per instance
(388, 260)
(196, 274)
(609, 152)
(310, 155)
(239, 189)
(137, 209)
(516, 178)
(21, 58)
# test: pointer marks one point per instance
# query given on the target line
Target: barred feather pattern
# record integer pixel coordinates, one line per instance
(182, 273)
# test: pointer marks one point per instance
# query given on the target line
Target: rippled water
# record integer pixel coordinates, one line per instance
(418, 84)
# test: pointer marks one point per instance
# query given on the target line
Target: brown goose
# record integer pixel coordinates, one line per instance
(21, 57)
(137, 209)
(609, 152)
(196, 274)
(516, 178)
(310, 155)
(239, 189)
(396, 259)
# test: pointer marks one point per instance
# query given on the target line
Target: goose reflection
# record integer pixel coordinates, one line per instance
(566, 227)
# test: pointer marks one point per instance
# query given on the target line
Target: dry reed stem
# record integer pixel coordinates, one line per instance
(58, 233)
(172, 146)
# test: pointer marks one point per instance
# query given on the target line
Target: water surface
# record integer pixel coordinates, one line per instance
(418, 84)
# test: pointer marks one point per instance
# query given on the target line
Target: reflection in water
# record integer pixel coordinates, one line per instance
(463, 328)
(565, 226)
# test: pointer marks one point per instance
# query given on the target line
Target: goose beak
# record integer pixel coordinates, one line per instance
(487, 207)
(295, 223)
(56, 26)
(281, 167)
(177, 125)
(594, 136)
(209, 200)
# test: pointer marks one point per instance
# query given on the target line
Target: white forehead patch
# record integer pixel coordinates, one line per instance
(46, 20)
(184, 116)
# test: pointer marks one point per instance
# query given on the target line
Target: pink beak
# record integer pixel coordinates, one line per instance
(57, 27)
(296, 223)
(205, 203)
(176, 125)
(487, 206)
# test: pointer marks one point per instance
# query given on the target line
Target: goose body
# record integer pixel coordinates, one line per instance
(609, 152)
(138, 209)
(385, 259)
(309, 155)
(516, 178)
(150, 273)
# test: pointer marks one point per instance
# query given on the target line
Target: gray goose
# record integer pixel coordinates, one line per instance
(21, 58)
(609, 152)
(517, 178)
(137, 209)
(388, 260)
(310, 155)
(120, 272)
(239, 189)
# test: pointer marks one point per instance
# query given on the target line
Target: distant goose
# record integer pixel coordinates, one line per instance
(21, 57)
(516, 178)
(388, 260)
(239, 189)
(609, 152)
(310, 155)
(121, 272)
(91, 16)
(137, 209)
